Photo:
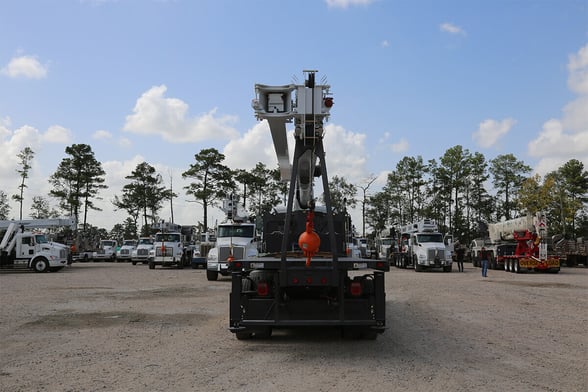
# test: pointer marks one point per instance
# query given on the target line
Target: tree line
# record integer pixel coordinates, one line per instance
(453, 190)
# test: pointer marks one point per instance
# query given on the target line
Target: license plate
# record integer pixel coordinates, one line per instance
(360, 265)
(257, 265)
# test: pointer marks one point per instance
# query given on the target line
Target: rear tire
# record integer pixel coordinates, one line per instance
(212, 275)
(243, 335)
(151, 265)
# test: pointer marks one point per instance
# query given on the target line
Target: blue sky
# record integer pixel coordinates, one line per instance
(158, 81)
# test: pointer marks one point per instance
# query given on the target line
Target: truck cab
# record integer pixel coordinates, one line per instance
(168, 250)
(234, 241)
(141, 253)
(126, 250)
(106, 251)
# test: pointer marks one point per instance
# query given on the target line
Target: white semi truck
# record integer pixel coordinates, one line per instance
(106, 251)
(125, 252)
(21, 246)
(141, 253)
(421, 246)
(169, 247)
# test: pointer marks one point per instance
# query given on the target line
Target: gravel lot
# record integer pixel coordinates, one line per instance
(118, 327)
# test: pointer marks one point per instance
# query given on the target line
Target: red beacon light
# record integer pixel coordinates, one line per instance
(328, 102)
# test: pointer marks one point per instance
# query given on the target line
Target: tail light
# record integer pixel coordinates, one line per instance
(262, 289)
(356, 289)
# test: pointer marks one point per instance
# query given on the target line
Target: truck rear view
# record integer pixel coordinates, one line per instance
(304, 277)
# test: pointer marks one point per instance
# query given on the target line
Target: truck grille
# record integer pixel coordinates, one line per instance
(63, 254)
(142, 252)
(225, 251)
(435, 254)
(168, 251)
(125, 252)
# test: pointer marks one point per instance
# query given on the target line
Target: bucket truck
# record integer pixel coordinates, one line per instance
(309, 281)
(235, 240)
(422, 246)
(21, 245)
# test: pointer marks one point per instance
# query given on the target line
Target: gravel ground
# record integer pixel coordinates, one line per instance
(118, 327)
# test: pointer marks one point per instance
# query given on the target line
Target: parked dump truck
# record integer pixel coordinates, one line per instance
(309, 282)
(22, 245)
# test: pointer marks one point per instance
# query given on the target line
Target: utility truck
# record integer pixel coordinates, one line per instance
(22, 246)
(141, 253)
(106, 251)
(235, 240)
(385, 243)
(168, 248)
(307, 281)
(422, 246)
(126, 250)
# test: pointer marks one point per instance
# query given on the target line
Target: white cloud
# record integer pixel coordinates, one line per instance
(27, 67)
(563, 139)
(345, 153)
(185, 212)
(12, 141)
(451, 29)
(258, 142)
(385, 43)
(124, 142)
(401, 146)
(154, 114)
(102, 135)
(347, 3)
(57, 134)
(490, 131)
(578, 69)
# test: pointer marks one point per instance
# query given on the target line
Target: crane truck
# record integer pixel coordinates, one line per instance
(525, 237)
(21, 245)
(309, 281)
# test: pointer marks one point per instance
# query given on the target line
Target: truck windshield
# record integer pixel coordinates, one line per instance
(167, 237)
(235, 231)
(40, 239)
(129, 243)
(107, 243)
(386, 241)
(145, 241)
(433, 237)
